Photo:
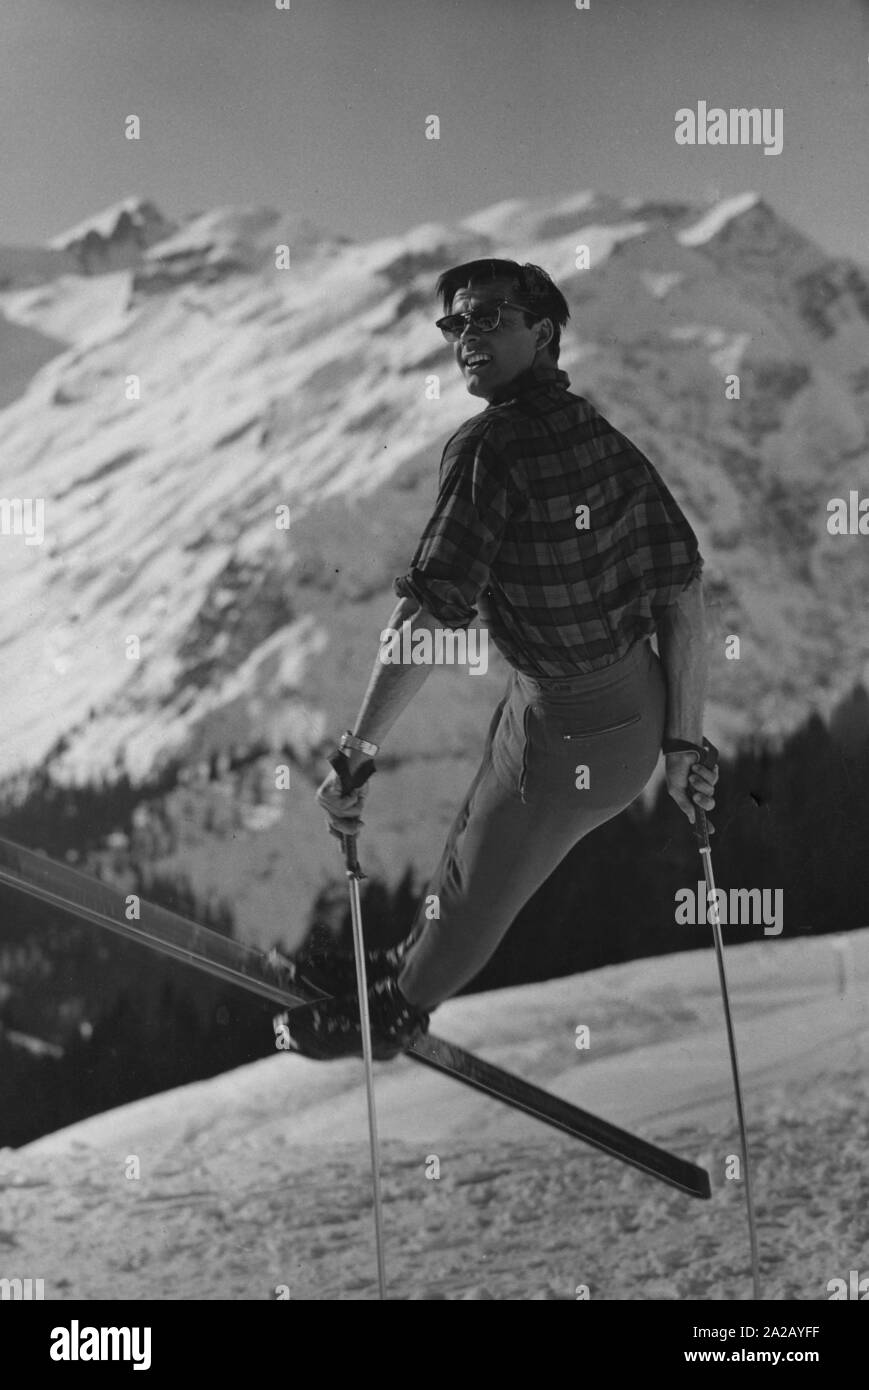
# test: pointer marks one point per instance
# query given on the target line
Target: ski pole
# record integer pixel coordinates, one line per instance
(354, 876)
(708, 758)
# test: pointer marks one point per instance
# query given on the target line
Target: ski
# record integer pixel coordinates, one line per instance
(551, 1110)
(268, 975)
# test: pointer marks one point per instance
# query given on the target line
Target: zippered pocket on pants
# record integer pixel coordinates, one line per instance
(607, 729)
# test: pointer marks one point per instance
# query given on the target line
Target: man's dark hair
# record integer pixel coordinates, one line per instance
(535, 291)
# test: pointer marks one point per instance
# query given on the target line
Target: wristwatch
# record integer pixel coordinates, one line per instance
(357, 745)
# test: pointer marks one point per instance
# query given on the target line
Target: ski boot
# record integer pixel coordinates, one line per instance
(330, 1028)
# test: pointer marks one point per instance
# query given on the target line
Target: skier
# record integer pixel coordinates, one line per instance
(557, 531)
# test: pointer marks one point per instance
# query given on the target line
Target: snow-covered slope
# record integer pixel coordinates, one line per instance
(259, 1178)
(170, 388)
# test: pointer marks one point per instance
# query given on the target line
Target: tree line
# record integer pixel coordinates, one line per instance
(88, 1021)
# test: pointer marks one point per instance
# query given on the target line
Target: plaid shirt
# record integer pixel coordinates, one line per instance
(557, 600)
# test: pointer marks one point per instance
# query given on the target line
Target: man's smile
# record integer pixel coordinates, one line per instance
(476, 361)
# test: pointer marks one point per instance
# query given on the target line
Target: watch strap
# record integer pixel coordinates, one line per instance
(680, 745)
(708, 752)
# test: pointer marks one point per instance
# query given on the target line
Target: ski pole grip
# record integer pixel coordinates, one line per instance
(708, 758)
(350, 784)
(709, 754)
(351, 855)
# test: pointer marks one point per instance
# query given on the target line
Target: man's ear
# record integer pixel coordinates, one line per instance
(545, 333)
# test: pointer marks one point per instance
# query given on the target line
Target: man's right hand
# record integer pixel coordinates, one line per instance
(343, 813)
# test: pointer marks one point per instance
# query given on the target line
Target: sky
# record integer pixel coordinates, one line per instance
(321, 110)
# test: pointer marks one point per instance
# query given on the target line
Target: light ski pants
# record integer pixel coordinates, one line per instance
(561, 757)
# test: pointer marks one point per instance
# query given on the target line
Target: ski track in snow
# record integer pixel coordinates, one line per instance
(231, 1205)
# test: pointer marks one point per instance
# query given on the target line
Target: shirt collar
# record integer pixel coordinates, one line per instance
(540, 376)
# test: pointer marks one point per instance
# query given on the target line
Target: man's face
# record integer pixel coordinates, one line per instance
(505, 352)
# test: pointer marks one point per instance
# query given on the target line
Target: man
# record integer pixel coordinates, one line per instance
(553, 527)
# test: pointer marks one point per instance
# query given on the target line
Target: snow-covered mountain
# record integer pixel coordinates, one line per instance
(305, 386)
(116, 237)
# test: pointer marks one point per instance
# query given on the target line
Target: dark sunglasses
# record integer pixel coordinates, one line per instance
(486, 318)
